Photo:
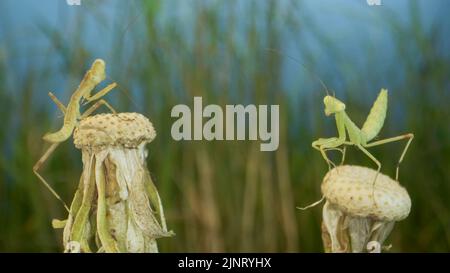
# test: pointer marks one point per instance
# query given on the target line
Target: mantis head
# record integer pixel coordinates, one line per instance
(333, 105)
(97, 71)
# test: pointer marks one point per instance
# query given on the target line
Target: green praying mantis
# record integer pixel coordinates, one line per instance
(349, 134)
(94, 76)
(76, 226)
(361, 138)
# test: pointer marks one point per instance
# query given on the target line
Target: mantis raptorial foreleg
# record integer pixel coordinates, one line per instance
(324, 144)
(410, 137)
(100, 93)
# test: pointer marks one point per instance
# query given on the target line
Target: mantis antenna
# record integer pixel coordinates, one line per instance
(302, 64)
(126, 92)
(123, 32)
(342, 151)
(132, 21)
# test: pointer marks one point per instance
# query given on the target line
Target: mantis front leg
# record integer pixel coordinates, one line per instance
(100, 93)
(324, 144)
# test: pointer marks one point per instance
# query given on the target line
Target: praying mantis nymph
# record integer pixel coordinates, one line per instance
(94, 76)
(359, 137)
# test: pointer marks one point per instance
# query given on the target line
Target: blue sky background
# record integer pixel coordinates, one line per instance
(351, 26)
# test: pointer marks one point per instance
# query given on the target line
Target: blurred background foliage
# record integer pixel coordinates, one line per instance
(229, 196)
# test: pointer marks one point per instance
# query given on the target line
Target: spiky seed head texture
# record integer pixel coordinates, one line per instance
(123, 129)
(351, 189)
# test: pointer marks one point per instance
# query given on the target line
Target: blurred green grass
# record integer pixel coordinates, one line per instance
(229, 196)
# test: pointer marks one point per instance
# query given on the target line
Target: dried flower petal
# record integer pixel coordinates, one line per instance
(112, 207)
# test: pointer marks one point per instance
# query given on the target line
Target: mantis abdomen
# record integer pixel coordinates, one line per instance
(70, 120)
(64, 133)
(375, 119)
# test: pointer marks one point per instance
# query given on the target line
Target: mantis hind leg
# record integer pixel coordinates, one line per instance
(38, 165)
(57, 102)
(410, 137)
(378, 170)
